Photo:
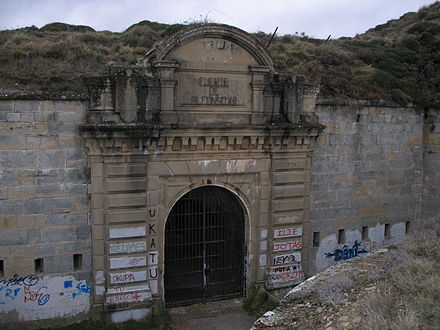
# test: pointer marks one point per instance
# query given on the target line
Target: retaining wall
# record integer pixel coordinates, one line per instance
(367, 171)
(45, 241)
(431, 179)
(375, 171)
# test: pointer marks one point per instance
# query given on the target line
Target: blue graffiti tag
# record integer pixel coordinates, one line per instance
(9, 293)
(346, 252)
(12, 293)
(43, 298)
(82, 288)
(29, 280)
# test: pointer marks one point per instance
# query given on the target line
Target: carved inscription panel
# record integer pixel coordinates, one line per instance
(212, 53)
(213, 89)
(213, 74)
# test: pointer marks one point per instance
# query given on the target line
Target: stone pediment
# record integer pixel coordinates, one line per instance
(226, 44)
(206, 75)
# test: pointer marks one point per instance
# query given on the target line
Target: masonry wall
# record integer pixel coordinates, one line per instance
(431, 189)
(44, 208)
(367, 171)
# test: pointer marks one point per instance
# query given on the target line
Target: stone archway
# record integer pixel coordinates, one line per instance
(204, 247)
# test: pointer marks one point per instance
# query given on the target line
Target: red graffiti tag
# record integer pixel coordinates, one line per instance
(123, 277)
(135, 261)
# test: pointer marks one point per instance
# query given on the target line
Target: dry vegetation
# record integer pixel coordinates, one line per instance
(399, 60)
(408, 285)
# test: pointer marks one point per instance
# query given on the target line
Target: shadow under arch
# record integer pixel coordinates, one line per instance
(204, 247)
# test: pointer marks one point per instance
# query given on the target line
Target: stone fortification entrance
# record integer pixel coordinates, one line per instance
(204, 247)
(200, 162)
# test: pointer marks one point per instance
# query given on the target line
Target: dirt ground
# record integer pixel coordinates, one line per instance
(217, 315)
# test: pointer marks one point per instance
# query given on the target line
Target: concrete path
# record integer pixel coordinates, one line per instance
(217, 315)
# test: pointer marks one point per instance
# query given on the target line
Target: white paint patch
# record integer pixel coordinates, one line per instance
(280, 279)
(263, 246)
(263, 260)
(287, 246)
(127, 232)
(128, 247)
(353, 235)
(263, 234)
(128, 288)
(153, 287)
(327, 244)
(131, 314)
(34, 297)
(376, 233)
(128, 297)
(128, 262)
(398, 230)
(284, 269)
(288, 219)
(99, 290)
(153, 257)
(287, 232)
(128, 277)
(99, 277)
(284, 259)
(205, 163)
(240, 165)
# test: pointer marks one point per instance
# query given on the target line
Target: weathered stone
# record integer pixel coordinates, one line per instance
(52, 159)
(59, 235)
(13, 116)
(126, 184)
(128, 169)
(12, 237)
(18, 159)
(37, 206)
(126, 200)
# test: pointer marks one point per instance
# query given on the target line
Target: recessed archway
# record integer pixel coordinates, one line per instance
(204, 247)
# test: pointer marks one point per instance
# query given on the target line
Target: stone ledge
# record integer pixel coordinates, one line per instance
(34, 95)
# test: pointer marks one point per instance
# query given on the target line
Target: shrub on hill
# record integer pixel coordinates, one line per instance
(398, 60)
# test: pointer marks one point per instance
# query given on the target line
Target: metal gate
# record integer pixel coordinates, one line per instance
(204, 247)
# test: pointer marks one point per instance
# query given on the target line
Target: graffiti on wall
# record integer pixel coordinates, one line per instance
(357, 248)
(287, 246)
(286, 268)
(346, 252)
(285, 275)
(356, 244)
(287, 232)
(286, 258)
(128, 247)
(35, 297)
(128, 297)
(128, 277)
(128, 262)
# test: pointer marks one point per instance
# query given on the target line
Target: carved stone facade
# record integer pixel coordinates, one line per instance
(204, 108)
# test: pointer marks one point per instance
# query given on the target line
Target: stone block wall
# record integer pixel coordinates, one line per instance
(44, 205)
(375, 171)
(431, 188)
(367, 174)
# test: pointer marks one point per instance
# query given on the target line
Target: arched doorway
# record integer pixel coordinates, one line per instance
(204, 247)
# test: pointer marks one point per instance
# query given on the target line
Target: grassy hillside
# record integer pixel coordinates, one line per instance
(399, 60)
